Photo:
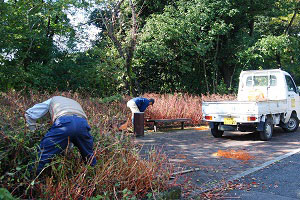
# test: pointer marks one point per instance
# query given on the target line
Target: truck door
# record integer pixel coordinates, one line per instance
(293, 97)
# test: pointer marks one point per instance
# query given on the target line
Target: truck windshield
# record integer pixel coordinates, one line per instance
(290, 84)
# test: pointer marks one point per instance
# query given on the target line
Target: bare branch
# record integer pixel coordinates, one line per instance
(116, 11)
(291, 22)
(140, 11)
(117, 44)
(110, 31)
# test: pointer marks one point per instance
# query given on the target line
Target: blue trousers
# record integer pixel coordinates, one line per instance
(64, 130)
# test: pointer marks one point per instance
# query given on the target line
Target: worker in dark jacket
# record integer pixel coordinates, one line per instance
(69, 126)
(139, 104)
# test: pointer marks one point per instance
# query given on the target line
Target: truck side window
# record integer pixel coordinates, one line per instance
(273, 80)
(290, 84)
(249, 81)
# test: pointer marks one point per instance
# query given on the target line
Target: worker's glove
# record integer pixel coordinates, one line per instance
(70, 146)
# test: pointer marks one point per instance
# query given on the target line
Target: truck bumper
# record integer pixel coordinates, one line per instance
(222, 127)
(241, 127)
(227, 128)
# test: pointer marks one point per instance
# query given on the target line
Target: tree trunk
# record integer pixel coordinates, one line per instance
(205, 77)
(126, 52)
(251, 22)
(131, 50)
(231, 80)
(251, 27)
(278, 59)
(227, 73)
(48, 26)
(291, 22)
(129, 74)
(215, 79)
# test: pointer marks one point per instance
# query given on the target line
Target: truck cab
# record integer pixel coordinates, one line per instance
(269, 85)
(265, 98)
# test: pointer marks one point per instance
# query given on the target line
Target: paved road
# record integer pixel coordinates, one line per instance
(189, 149)
(280, 180)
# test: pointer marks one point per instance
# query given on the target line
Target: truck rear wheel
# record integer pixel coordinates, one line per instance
(267, 133)
(292, 125)
(215, 132)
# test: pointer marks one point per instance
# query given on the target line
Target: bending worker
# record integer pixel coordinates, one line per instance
(139, 104)
(69, 125)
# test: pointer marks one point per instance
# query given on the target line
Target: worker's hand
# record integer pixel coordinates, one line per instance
(32, 127)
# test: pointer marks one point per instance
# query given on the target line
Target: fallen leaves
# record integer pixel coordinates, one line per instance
(238, 155)
(201, 128)
(125, 125)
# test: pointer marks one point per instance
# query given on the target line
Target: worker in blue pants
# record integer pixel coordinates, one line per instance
(69, 126)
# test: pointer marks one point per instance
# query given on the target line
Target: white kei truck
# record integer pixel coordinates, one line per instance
(266, 98)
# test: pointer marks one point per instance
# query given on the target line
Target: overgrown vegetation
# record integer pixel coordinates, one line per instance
(181, 105)
(120, 171)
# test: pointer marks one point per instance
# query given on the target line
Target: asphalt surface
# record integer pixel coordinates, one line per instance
(195, 149)
(280, 180)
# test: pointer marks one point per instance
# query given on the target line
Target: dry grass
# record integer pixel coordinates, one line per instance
(120, 171)
(171, 106)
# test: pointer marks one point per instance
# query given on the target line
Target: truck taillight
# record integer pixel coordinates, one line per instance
(208, 117)
(251, 118)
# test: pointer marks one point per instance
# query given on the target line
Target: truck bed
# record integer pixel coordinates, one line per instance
(237, 108)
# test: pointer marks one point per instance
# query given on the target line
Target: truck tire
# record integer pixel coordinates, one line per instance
(215, 132)
(267, 133)
(292, 125)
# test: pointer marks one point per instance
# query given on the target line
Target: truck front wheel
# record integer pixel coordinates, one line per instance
(216, 133)
(267, 133)
(292, 125)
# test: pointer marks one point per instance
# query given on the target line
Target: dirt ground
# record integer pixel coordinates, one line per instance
(196, 149)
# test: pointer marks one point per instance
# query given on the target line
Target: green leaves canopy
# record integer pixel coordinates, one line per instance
(194, 46)
(178, 44)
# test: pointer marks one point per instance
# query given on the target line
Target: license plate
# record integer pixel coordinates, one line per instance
(229, 121)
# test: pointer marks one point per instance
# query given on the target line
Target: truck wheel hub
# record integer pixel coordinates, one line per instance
(268, 130)
(291, 123)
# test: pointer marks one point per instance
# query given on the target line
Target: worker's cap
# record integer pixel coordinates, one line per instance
(152, 100)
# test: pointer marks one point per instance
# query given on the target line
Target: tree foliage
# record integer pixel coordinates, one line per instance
(195, 46)
(179, 44)
(29, 28)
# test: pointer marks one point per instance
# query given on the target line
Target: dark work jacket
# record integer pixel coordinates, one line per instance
(142, 103)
